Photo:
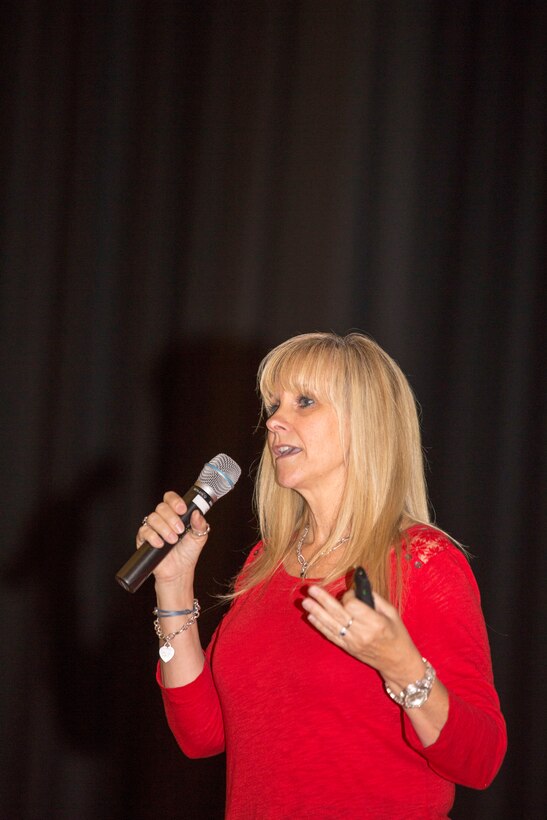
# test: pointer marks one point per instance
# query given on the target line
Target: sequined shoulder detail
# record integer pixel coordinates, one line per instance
(424, 544)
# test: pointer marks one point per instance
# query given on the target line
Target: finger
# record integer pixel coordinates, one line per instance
(331, 629)
(384, 607)
(175, 501)
(173, 507)
(198, 522)
(352, 602)
(147, 533)
(326, 613)
(326, 601)
(170, 517)
(357, 609)
(157, 527)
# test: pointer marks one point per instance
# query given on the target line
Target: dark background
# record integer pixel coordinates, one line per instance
(184, 185)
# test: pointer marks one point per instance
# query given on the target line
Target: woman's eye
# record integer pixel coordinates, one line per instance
(270, 409)
(305, 401)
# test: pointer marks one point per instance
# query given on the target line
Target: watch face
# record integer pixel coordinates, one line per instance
(416, 699)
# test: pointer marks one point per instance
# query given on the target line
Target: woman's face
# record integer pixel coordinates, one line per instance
(304, 441)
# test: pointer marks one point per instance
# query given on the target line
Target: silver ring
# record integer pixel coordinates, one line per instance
(144, 521)
(198, 534)
(344, 631)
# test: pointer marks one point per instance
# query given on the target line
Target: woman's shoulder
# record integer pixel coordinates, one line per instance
(422, 542)
(252, 555)
(254, 552)
(436, 569)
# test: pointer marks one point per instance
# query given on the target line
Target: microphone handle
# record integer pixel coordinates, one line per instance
(143, 562)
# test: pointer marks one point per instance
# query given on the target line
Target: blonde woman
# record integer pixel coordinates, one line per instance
(328, 707)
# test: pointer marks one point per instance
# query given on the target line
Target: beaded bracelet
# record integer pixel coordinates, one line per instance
(167, 651)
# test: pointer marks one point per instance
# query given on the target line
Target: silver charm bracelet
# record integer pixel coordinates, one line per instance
(166, 650)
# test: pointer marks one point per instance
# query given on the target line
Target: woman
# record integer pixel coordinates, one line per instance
(304, 685)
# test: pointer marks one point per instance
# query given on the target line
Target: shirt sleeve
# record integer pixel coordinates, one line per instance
(445, 620)
(194, 715)
(193, 711)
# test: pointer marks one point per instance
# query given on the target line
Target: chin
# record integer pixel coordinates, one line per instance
(286, 482)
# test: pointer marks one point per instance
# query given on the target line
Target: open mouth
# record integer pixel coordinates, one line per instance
(285, 450)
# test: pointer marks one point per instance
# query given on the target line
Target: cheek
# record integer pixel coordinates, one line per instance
(329, 448)
(338, 452)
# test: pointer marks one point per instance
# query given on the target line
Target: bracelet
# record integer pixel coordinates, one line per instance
(415, 694)
(167, 651)
(169, 613)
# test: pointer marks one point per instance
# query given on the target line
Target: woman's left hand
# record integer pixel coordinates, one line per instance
(377, 637)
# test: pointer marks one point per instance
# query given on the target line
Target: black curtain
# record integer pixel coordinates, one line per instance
(184, 184)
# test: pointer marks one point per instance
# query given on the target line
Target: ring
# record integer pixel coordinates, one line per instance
(344, 631)
(198, 534)
(144, 521)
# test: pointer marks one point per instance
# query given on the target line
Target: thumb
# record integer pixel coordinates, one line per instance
(382, 606)
(199, 525)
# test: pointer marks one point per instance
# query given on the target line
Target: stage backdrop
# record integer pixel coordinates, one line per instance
(184, 185)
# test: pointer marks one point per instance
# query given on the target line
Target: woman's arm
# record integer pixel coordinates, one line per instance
(379, 638)
(174, 581)
(189, 695)
(459, 729)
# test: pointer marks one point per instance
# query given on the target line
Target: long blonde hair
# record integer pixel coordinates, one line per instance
(385, 485)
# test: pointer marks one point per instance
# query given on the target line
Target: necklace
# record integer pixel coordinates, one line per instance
(306, 564)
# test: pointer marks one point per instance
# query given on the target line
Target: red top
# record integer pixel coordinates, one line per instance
(310, 732)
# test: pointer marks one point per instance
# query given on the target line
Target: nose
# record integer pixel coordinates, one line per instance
(277, 421)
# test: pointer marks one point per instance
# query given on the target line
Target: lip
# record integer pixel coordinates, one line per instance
(279, 451)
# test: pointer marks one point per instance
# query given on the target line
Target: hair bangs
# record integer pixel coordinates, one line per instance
(311, 367)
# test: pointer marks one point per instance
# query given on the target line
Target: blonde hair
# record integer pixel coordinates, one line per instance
(385, 487)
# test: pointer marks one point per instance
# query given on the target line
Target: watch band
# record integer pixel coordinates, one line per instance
(415, 694)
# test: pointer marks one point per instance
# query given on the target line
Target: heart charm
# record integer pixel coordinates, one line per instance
(166, 652)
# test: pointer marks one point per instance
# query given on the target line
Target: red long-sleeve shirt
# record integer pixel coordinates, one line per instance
(310, 732)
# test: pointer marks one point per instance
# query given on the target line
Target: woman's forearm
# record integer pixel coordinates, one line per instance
(186, 664)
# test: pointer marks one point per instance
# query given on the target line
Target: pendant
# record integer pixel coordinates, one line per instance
(166, 652)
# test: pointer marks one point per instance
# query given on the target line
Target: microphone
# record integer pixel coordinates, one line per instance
(216, 479)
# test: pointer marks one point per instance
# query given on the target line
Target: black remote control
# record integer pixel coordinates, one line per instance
(363, 590)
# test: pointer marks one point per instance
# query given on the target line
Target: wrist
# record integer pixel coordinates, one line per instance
(413, 669)
(176, 594)
(415, 693)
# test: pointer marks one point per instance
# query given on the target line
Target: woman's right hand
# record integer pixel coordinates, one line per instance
(164, 525)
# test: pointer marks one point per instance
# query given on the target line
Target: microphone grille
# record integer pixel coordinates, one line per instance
(220, 474)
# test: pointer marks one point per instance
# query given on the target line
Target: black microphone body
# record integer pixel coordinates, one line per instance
(215, 480)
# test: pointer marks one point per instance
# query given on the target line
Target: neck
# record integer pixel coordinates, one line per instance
(321, 528)
(319, 556)
(323, 502)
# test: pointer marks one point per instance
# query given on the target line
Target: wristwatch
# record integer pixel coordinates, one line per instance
(415, 694)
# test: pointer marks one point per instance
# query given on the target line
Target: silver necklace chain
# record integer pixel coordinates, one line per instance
(305, 565)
